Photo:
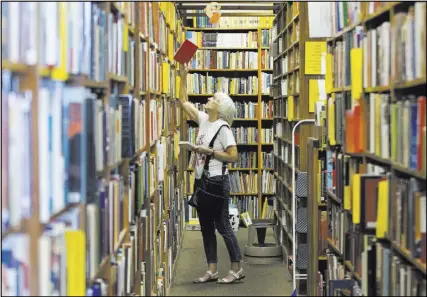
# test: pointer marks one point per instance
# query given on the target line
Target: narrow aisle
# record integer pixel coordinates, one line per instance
(261, 280)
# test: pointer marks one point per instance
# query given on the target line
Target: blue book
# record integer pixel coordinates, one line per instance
(414, 133)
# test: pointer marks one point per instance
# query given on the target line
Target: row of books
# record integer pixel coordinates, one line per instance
(390, 207)
(266, 37)
(247, 110)
(15, 262)
(142, 67)
(394, 276)
(153, 16)
(290, 85)
(117, 47)
(249, 160)
(201, 84)
(63, 237)
(247, 204)
(267, 159)
(129, 9)
(284, 17)
(408, 43)
(267, 182)
(406, 223)
(250, 135)
(17, 148)
(241, 135)
(233, 22)
(284, 43)
(385, 137)
(246, 160)
(242, 182)
(382, 43)
(85, 30)
(284, 153)
(100, 136)
(289, 62)
(227, 40)
(384, 273)
(344, 14)
(341, 54)
(214, 59)
(266, 82)
(392, 124)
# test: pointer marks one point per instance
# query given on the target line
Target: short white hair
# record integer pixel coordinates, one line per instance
(226, 107)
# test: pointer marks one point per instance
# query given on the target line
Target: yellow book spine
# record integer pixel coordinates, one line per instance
(173, 17)
(75, 245)
(60, 72)
(356, 199)
(331, 120)
(125, 37)
(382, 210)
(329, 69)
(290, 108)
(356, 61)
(170, 47)
(347, 197)
(378, 124)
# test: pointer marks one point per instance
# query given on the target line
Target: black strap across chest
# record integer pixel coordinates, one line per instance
(211, 144)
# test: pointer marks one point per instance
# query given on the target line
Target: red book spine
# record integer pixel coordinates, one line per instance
(421, 125)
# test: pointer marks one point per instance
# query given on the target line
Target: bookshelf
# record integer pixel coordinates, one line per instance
(298, 76)
(245, 62)
(372, 171)
(115, 191)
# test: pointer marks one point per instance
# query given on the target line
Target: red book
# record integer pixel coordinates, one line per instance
(421, 124)
(185, 52)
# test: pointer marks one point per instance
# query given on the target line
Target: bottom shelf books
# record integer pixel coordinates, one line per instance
(384, 273)
(62, 257)
(15, 263)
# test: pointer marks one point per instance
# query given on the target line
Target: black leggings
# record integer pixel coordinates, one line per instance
(213, 213)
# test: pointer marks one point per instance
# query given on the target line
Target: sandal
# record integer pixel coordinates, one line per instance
(236, 276)
(211, 278)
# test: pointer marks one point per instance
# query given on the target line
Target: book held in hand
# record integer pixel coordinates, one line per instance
(187, 145)
(185, 52)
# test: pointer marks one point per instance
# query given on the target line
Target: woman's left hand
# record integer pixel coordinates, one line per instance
(203, 150)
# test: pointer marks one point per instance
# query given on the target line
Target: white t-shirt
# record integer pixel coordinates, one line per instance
(224, 139)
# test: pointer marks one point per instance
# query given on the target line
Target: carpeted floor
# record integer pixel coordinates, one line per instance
(261, 280)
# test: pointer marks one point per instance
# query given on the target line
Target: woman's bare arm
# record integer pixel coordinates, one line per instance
(230, 154)
(188, 107)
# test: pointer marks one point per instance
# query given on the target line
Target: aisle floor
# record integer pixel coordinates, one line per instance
(261, 280)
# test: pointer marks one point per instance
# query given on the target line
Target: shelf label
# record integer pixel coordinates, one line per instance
(315, 55)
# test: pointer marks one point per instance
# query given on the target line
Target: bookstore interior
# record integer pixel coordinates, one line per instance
(329, 124)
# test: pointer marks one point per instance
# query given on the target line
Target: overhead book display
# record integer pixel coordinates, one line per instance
(235, 61)
(91, 191)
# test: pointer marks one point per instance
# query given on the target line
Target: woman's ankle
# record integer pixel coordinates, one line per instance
(212, 267)
(236, 266)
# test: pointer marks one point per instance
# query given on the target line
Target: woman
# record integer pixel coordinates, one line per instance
(219, 111)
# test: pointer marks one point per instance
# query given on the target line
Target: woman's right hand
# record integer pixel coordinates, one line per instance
(183, 71)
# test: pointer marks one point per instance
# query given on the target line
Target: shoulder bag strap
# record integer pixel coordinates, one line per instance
(208, 158)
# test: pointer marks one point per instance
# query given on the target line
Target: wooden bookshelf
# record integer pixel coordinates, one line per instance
(357, 155)
(260, 121)
(30, 78)
(291, 105)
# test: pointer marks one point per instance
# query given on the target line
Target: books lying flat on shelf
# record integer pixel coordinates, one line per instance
(187, 145)
(246, 219)
(185, 52)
